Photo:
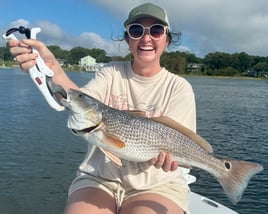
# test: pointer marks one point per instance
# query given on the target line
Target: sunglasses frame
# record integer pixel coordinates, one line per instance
(144, 29)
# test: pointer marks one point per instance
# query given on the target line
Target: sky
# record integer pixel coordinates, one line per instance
(230, 26)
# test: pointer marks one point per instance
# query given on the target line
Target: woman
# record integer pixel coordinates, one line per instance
(157, 186)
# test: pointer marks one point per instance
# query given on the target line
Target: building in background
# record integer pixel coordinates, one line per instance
(89, 64)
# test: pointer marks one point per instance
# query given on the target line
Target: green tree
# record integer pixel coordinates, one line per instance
(190, 57)
(5, 54)
(128, 57)
(217, 60)
(56, 50)
(261, 66)
(242, 61)
(99, 55)
(76, 54)
(228, 71)
(117, 58)
(173, 62)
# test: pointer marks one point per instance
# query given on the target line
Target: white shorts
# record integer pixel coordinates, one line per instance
(173, 191)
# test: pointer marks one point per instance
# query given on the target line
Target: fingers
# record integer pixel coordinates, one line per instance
(13, 43)
(36, 44)
(174, 166)
(22, 53)
(160, 160)
(164, 161)
(26, 61)
(17, 48)
(24, 46)
(24, 58)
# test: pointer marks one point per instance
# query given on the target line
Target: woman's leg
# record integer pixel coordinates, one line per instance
(149, 203)
(90, 200)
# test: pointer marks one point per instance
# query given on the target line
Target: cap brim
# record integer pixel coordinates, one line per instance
(136, 18)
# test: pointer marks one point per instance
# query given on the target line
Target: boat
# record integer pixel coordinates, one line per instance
(198, 202)
(208, 206)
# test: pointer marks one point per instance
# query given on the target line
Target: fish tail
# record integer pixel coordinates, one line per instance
(236, 177)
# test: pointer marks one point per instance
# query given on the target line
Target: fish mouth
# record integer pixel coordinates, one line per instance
(55, 90)
(85, 130)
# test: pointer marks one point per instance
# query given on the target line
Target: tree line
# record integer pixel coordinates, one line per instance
(217, 63)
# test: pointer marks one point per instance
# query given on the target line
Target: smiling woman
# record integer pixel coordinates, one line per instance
(140, 85)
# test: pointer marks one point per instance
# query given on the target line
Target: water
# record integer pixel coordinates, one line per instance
(39, 156)
(233, 117)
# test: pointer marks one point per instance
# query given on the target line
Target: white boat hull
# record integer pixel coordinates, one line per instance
(200, 204)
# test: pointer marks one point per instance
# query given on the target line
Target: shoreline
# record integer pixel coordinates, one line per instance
(224, 77)
(182, 75)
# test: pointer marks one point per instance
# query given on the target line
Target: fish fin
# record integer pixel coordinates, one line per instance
(137, 113)
(113, 140)
(185, 166)
(112, 157)
(177, 126)
(189, 133)
(236, 177)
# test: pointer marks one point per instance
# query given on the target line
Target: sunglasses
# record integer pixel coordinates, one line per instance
(136, 31)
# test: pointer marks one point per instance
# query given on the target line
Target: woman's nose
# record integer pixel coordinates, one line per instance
(146, 35)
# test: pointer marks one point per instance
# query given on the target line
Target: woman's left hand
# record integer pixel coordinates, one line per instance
(164, 161)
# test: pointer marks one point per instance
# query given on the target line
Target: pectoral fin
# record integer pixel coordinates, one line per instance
(112, 140)
(112, 157)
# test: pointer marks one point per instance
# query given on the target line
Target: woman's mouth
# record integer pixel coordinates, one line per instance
(146, 48)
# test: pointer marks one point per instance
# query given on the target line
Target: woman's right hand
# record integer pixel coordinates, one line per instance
(22, 52)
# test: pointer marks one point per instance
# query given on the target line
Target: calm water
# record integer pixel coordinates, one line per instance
(39, 156)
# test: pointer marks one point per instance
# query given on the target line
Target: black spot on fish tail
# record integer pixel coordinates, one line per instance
(227, 165)
(236, 177)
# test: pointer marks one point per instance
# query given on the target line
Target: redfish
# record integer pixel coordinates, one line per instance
(131, 136)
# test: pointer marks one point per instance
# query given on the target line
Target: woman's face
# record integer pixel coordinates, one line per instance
(147, 49)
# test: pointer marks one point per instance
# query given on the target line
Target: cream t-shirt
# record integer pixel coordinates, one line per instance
(162, 94)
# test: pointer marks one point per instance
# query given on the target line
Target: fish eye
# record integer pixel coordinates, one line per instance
(227, 165)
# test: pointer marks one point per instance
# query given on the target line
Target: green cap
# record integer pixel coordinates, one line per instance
(147, 10)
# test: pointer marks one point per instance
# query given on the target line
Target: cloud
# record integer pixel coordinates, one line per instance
(211, 25)
(230, 26)
(94, 40)
(20, 22)
(52, 34)
(206, 26)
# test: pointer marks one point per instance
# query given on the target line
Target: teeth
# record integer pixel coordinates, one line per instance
(146, 48)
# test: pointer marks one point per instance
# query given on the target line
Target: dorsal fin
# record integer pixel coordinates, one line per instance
(137, 113)
(177, 126)
(189, 133)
